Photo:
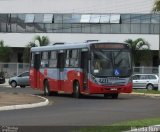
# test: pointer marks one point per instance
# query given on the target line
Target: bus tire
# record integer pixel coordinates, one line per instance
(76, 90)
(109, 95)
(115, 96)
(106, 96)
(47, 92)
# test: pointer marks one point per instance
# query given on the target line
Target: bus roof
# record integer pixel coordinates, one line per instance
(68, 46)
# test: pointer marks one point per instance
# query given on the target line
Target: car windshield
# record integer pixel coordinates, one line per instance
(111, 62)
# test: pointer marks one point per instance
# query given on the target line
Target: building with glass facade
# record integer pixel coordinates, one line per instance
(78, 21)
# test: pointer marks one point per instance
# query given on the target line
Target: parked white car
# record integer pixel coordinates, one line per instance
(145, 81)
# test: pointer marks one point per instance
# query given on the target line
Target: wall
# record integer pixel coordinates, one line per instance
(76, 6)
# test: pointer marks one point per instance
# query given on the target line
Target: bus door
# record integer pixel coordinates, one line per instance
(34, 73)
(84, 66)
(61, 64)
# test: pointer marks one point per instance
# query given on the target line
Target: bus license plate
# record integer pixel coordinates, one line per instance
(113, 89)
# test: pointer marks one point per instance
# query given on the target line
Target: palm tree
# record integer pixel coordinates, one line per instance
(5, 52)
(26, 52)
(156, 6)
(140, 50)
(42, 41)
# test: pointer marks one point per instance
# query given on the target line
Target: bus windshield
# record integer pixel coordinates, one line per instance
(111, 62)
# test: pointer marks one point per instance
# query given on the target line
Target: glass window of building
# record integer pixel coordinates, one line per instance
(125, 28)
(76, 28)
(13, 18)
(145, 18)
(155, 18)
(38, 18)
(105, 28)
(95, 19)
(115, 28)
(85, 18)
(39, 27)
(67, 18)
(86, 28)
(48, 28)
(125, 18)
(57, 28)
(66, 28)
(30, 27)
(3, 17)
(29, 18)
(48, 18)
(21, 27)
(135, 28)
(3, 27)
(13, 27)
(95, 28)
(135, 18)
(115, 18)
(76, 18)
(145, 28)
(105, 18)
(21, 18)
(58, 18)
(154, 28)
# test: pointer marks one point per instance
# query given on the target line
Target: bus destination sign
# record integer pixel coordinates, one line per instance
(109, 46)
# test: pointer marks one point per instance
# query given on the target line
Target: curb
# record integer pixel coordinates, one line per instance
(154, 128)
(146, 94)
(25, 106)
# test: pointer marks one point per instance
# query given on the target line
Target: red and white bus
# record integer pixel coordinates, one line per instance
(83, 68)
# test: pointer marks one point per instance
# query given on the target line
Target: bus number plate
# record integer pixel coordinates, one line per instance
(103, 80)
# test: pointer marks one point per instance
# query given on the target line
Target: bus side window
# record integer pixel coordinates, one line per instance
(72, 58)
(44, 59)
(32, 60)
(74, 61)
(53, 59)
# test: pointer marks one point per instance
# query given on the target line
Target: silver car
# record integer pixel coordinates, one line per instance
(146, 81)
(21, 80)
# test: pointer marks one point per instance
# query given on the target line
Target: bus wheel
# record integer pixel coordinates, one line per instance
(76, 90)
(46, 89)
(115, 96)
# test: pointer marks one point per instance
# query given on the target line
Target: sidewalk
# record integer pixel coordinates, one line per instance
(11, 101)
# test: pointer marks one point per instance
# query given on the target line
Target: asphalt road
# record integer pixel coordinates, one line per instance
(64, 110)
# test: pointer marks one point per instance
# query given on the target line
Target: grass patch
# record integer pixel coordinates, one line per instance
(146, 91)
(122, 126)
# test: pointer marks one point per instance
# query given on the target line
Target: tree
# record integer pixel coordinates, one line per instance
(42, 41)
(140, 50)
(5, 52)
(156, 6)
(26, 52)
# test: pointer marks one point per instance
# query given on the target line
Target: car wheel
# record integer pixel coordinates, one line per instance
(13, 84)
(46, 89)
(150, 87)
(76, 90)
